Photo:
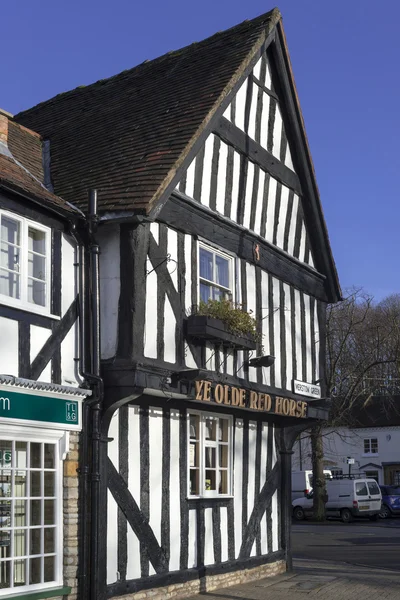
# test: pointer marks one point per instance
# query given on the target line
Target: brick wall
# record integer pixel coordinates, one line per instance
(71, 516)
(211, 582)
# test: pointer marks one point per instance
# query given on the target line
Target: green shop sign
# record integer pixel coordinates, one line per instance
(50, 411)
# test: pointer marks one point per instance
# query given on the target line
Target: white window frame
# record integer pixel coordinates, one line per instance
(202, 445)
(232, 270)
(42, 436)
(22, 302)
(370, 453)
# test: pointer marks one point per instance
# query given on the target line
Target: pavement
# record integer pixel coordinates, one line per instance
(323, 580)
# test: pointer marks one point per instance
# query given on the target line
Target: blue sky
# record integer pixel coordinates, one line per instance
(345, 57)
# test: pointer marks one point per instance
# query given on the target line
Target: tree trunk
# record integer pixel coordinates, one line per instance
(319, 490)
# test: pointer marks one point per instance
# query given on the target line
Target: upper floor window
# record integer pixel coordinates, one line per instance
(371, 446)
(24, 263)
(216, 274)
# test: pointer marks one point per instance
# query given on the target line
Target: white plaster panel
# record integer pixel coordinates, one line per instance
(277, 134)
(299, 368)
(169, 332)
(241, 105)
(68, 273)
(221, 178)
(277, 332)
(266, 371)
(264, 120)
(280, 234)
(248, 194)
(292, 227)
(251, 304)
(288, 338)
(192, 544)
(190, 179)
(110, 287)
(155, 472)
(235, 186)
(263, 471)
(174, 510)
(206, 177)
(224, 533)
(269, 231)
(112, 507)
(309, 341)
(260, 199)
(39, 336)
(253, 112)
(133, 570)
(252, 472)
(209, 538)
(9, 346)
(238, 484)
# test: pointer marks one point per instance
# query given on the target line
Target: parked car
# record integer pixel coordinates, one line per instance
(390, 501)
(302, 482)
(347, 498)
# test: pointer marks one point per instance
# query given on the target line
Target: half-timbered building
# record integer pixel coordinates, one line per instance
(40, 397)
(206, 190)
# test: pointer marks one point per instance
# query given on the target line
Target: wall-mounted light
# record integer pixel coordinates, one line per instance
(261, 361)
(189, 374)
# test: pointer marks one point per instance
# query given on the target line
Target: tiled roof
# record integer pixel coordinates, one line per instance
(18, 382)
(26, 147)
(15, 177)
(127, 135)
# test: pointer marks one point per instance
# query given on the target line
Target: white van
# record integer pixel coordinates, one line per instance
(302, 482)
(347, 498)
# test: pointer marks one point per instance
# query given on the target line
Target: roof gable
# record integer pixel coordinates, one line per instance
(134, 135)
(128, 135)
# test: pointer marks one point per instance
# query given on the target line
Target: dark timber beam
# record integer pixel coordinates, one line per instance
(237, 138)
(292, 119)
(189, 216)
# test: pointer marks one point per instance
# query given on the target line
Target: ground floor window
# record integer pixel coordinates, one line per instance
(30, 510)
(210, 454)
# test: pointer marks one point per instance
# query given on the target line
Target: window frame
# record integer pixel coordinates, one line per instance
(215, 250)
(57, 438)
(203, 493)
(23, 302)
(369, 452)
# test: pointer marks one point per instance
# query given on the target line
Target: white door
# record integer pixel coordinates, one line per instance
(375, 495)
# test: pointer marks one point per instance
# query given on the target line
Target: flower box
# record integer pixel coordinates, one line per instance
(215, 330)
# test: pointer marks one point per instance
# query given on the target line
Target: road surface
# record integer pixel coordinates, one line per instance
(358, 543)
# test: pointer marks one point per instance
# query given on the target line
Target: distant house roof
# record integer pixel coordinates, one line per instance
(21, 167)
(126, 135)
(379, 411)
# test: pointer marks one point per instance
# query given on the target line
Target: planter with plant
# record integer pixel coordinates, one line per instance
(222, 321)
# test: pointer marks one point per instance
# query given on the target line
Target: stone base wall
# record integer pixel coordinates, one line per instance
(71, 516)
(209, 583)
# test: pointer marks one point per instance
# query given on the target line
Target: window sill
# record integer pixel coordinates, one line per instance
(38, 595)
(370, 455)
(28, 308)
(224, 497)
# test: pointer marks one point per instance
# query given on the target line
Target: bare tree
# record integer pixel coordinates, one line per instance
(363, 360)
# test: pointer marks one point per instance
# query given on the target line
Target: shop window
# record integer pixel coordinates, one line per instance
(210, 455)
(30, 513)
(24, 263)
(215, 274)
(370, 446)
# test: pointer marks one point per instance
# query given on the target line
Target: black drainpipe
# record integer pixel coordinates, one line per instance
(89, 367)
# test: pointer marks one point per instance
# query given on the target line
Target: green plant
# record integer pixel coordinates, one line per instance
(237, 320)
